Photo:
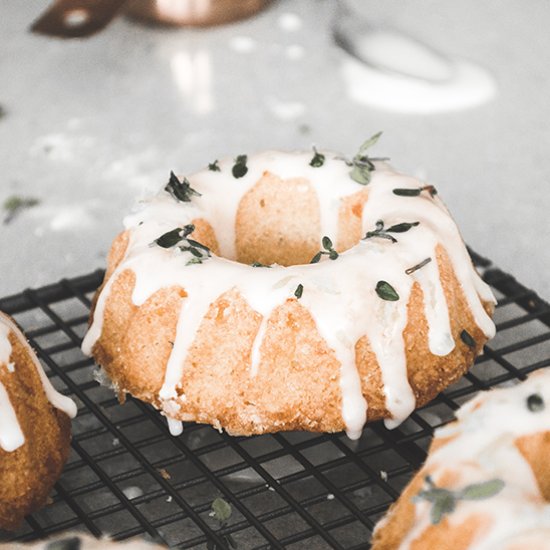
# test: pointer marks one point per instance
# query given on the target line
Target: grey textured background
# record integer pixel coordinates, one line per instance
(92, 125)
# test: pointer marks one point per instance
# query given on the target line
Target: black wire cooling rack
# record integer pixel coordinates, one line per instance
(128, 477)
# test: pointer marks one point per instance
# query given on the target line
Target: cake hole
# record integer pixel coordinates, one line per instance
(76, 18)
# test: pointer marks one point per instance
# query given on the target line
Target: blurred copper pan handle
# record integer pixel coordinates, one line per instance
(193, 12)
(80, 18)
(76, 18)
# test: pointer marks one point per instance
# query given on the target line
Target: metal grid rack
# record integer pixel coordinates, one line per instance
(128, 477)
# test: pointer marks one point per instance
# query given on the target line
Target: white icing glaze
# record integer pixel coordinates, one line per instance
(484, 448)
(11, 436)
(340, 295)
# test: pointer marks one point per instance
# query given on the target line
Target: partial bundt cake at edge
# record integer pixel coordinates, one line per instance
(35, 428)
(211, 310)
(486, 482)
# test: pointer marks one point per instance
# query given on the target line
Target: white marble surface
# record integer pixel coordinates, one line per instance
(91, 125)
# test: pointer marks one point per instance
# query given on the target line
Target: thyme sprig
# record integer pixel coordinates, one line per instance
(14, 205)
(180, 190)
(418, 266)
(318, 159)
(468, 339)
(386, 291)
(179, 237)
(221, 511)
(259, 264)
(362, 164)
(384, 233)
(444, 501)
(416, 191)
(214, 166)
(240, 168)
(328, 250)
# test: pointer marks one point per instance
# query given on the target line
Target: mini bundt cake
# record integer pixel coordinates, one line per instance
(289, 291)
(486, 482)
(79, 541)
(35, 428)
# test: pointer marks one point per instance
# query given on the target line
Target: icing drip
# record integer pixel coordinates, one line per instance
(11, 436)
(484, 448)
(340, 295)
(10, 430)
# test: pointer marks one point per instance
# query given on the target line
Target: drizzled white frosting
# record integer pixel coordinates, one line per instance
(11, 435)
(340, 294)
(484, 448)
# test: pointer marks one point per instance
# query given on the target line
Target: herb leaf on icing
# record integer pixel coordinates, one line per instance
(318, 159)
(328, 250)
(180, 190)
(259, 264)
(415, 191)
(299, 291)
(383, 233)
(444, 501)
(15, 204)
(386, 291)
(240, 168)
(179, 237)
(535, 402)
(214, 167)
(418, 266)
(363, 164)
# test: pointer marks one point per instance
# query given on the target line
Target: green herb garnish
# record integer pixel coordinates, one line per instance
(415, 192)
(328, 250)
(444, 501)
(68, 543)
(535, 402)
(180, 190)
(362, 164)
(259, 264)
(467, 338)
(299, 291)
(179, 237)
(214, 167)
(386, 291)
(318, 159)
(383, 233)
(418, 266)
(15, 204)
(240, 168)
(221, 511)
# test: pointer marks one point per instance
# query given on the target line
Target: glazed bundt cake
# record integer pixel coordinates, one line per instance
(486, 482)
(289, 291)
(79, 541)
(35, 428)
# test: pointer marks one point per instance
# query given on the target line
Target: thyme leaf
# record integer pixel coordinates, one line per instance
(468, 339)
(220, 510)
(318, 159)
(328, 251)
(299, 291)
(259, 264)
(362, 164)
(415, 191)
(240, 168)
(214, 167)
(535, 402)
(178, 237)
(386, 291)
(383, 233)
(418, 266)
(15, 204)
(444, 501)
(180, 190)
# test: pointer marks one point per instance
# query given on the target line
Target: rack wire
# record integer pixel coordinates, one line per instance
(127, 476)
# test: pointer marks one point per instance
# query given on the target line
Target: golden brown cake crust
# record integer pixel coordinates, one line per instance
(136, 342)
(28, 474)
